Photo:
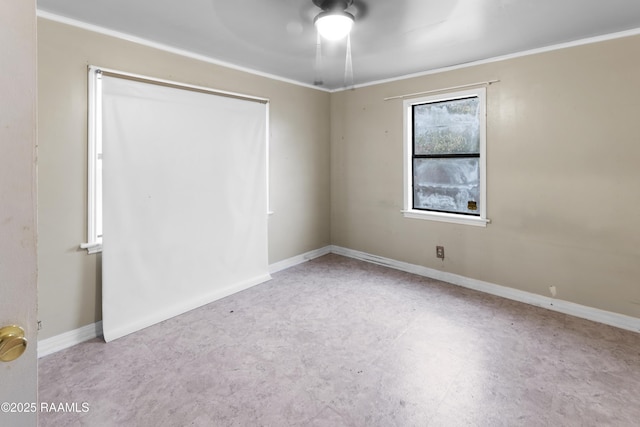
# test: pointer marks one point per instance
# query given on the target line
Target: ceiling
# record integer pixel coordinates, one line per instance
(390, 38)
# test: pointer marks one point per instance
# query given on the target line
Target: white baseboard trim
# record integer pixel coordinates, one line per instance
(299, 259)
(68, 339)
(594, 314)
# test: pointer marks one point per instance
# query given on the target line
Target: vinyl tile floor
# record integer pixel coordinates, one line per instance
(339, 342)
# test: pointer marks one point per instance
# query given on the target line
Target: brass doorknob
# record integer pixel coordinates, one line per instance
(12, 343)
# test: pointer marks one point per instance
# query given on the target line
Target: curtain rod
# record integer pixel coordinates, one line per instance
(177, 85)
(409, 95)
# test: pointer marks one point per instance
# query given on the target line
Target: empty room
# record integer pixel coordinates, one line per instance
(320, 213)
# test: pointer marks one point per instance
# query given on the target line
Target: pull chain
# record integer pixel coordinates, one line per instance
(348, 65)
(317, 80)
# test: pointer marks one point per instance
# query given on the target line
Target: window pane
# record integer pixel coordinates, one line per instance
(447, 127)
(98, 196)
(450, 185)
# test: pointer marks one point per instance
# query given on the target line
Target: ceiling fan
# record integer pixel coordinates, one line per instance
(334, 23)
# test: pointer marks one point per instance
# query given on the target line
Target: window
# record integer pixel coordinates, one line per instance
(101, 106)
(94, 168)
(444, 172)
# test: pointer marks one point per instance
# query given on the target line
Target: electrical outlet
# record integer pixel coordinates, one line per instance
(440, 252)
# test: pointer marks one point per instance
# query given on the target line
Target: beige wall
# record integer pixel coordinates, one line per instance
(69, 284)
(562, 171)
(563, 153)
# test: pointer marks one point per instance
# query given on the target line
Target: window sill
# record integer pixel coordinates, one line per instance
(446, 217)
(92, 248)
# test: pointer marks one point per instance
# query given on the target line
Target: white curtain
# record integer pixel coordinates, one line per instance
(184, 201)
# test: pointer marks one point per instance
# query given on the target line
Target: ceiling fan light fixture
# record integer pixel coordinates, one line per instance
(334, 24)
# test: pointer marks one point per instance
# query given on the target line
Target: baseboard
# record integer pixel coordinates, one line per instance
(299, 259)
(601, 316)
(68, 339)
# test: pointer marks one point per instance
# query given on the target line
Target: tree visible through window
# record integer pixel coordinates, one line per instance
(445, 145)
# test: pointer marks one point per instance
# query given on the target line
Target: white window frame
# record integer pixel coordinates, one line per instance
(94, 162)
(408, 210)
